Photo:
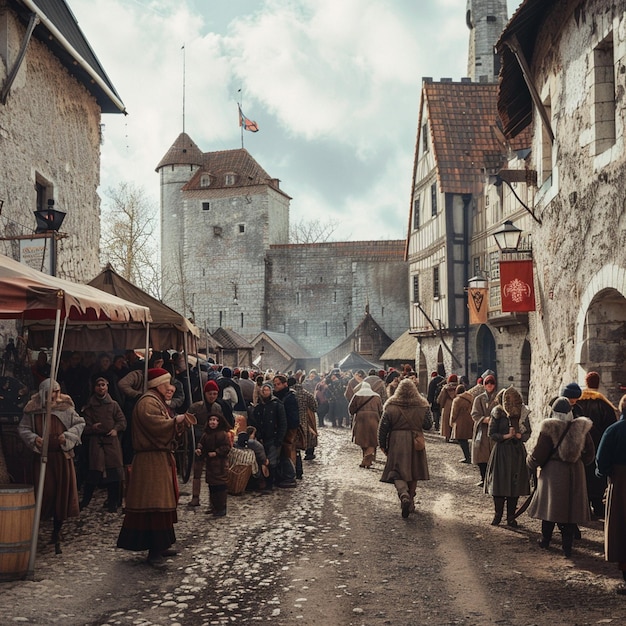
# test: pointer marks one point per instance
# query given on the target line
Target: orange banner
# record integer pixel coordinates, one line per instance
(478, 305)
(516, 286)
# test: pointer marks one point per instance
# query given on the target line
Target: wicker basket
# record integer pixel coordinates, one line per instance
(238, 477)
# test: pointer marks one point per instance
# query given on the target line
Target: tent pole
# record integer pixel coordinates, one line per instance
(145, 359)
(30, 572)
(188, 377)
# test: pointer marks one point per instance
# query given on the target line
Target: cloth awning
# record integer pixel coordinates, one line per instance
(28, 294)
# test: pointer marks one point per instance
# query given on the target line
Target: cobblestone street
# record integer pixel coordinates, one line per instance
(333, 551)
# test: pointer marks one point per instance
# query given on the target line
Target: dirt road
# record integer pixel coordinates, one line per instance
(333, 551)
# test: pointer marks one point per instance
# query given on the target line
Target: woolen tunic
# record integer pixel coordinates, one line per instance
(367, 411)
(152, 495)
(561, 494)
(444, 400)
(481, 410)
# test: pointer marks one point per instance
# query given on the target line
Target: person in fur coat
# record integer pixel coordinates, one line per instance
(461, 421)
(444, 400)
(366, 407)
(611, 464)
(401, 421)
(60, 493)
(562, 450)
(602, 413)
(481, 414)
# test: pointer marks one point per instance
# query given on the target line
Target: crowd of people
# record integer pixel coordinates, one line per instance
(575, 469)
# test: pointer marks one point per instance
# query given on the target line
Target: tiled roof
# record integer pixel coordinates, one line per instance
(461, 116)
(59, 31)
(404, 347)
(230, 340)
(284, 342)
(182, 152)
(384, 249)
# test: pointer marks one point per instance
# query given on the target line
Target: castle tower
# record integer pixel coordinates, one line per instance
(486, 20)
(220, 213)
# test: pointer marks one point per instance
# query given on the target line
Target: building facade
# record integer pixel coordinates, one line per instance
(53, 91)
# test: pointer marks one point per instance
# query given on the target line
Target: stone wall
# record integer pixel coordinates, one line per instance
(319, 292)
(49, 135)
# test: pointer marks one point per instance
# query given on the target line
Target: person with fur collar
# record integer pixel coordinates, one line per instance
(481, 414)
(563, 448)
(602, 413)
(60, 494)
(401, 421)
(611, 463)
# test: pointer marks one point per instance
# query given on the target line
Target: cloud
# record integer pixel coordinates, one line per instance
(334, 86)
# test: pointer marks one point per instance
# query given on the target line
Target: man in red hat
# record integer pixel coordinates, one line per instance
(152, 493)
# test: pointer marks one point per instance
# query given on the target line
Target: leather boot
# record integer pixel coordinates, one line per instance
(195, 493)
(498, 504)
(219, 503)
(511, 507)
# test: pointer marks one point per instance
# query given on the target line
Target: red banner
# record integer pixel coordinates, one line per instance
(477, 302)
(516, 286)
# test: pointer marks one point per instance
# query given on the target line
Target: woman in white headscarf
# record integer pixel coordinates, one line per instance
(60, 494)
(366, 407)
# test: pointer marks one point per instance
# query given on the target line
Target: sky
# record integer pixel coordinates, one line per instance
(334, 86)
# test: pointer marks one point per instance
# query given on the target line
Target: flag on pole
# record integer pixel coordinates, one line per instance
(246, 123)
(477, 302)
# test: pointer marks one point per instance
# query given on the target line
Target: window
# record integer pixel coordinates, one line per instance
(206, 206)
(546, 145)
(425, 137)
(416, 214)
(221, 317)
(44, 191)
(297, 297)
(242, 320)
(335, 297)
(325, 329)
(603, 111)
(416, 288)
(229, 180)
(205, 181)
(433, 199)
(306, 329)
(242, 228)
(436, 286)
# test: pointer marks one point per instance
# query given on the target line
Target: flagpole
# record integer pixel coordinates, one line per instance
(240, 116)
(183, 49)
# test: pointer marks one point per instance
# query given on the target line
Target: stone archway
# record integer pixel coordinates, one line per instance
(603, 345)
(485, 351)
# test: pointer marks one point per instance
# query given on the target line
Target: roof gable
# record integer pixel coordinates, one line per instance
(59, 31)
(231, 340)
(284, 343)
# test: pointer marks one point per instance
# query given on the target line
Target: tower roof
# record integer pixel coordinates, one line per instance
(182, 152)
(238, 163)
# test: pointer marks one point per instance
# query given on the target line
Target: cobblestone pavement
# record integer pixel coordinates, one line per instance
(335, 550)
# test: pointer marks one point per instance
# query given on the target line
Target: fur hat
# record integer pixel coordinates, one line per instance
(490, 378)
(210, 385)
(453, 378)
(512, 402)
(561, 405)
(592, 380)
(267, 383)
(572, 390)
(158, 376)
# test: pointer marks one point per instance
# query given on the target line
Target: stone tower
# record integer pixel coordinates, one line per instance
(486, 20)
(220, 213)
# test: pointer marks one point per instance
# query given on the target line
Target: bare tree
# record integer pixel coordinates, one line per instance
(128, 237)
(312, 231)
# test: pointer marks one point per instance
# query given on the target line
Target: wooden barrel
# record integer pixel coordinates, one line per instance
(17, 511)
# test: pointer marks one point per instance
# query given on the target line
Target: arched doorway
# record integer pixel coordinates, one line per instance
(604, 341)
(485, 351)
